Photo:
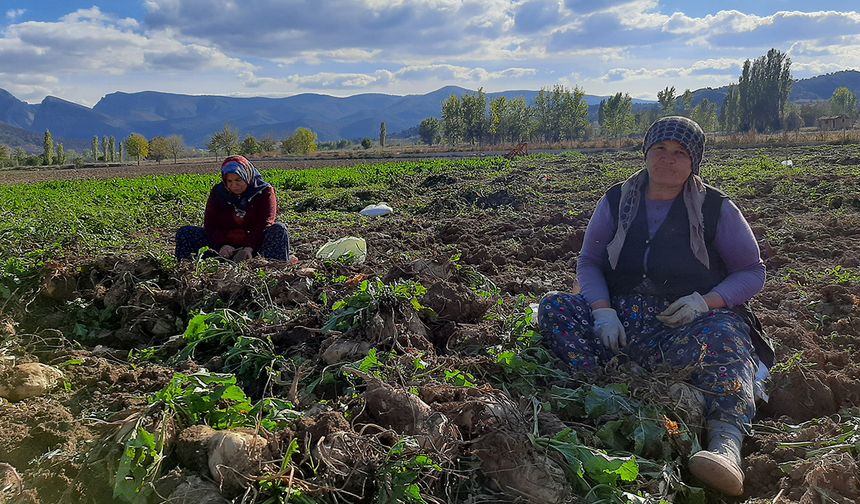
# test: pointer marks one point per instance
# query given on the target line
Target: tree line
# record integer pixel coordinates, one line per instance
(758, 102)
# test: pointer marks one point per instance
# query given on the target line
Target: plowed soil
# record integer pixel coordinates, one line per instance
(513, 236)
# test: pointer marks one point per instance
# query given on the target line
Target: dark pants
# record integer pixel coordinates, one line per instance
(276, 242)
(716, 347)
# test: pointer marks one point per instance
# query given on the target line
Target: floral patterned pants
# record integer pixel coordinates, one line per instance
(716, 347)
(276, 242)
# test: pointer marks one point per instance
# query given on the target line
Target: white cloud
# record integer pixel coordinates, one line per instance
(382, 77)
(13, 14)
(286, 30)
(781, 29)
(90, 42)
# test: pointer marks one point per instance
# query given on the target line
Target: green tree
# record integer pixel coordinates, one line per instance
(430, 131)
(498, 127)
(843, 102)
(137, 146)
(4, 153)
(268, 144)
(121, 152)
(111, 148)
(382, 133)
(666, 99)
(175, 146)
(518, 119)
(48, 152)
(763, 89)
(366, 143)
(475, 116)
(18, 155)
(560, 114)
(61, 154)
(705, 113)
(226, 141)
(453, 123)
(545, 114)
(105, 147)
(617, 115)
(94, 148)
(687, 103)
(574, 114)
(159, 149)
(302, 141)
(730, 112)
(249, 146)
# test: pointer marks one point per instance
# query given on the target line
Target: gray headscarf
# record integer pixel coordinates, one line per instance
(688, 133)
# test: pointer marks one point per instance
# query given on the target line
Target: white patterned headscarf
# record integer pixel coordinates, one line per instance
(690, 135)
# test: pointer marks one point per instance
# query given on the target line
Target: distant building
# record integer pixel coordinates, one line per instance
(839, 122)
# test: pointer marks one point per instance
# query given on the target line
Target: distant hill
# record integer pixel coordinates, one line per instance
(152, 113)
(821, 87)
(17, 137)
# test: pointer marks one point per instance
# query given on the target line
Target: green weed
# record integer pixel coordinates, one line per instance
(357, 310)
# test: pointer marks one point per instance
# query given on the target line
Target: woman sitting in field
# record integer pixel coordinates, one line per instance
(240, 218)
(666, 268)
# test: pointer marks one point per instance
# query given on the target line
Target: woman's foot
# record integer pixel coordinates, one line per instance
(718, 472)
(719, 467)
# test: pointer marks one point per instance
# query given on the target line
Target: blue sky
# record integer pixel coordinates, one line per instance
(81, 51)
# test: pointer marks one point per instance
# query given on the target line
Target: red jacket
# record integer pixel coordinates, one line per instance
(224, 227)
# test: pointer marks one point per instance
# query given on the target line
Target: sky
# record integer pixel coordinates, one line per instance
(81, 51)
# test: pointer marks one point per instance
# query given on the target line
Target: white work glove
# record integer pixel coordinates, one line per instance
(226, 251)
(684, 310)
(609, 329)
(243, 253)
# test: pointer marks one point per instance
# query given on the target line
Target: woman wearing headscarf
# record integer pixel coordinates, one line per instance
(667, 266)
(240, 218)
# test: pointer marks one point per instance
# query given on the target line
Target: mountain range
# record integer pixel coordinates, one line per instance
(196, 118)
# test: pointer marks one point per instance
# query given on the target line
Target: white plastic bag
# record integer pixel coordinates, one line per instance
(351, 247)
(787, 162)
(376, 210)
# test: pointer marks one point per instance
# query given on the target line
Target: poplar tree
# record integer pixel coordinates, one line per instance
(48, 153)
(474, 108)
(453, 125)
(666, 99)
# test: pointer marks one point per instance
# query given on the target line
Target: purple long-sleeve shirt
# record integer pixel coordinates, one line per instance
(734, 241)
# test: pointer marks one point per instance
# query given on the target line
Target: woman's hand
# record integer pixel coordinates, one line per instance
(226, 251)
(243, 254)
(609, 329)
(684, 310)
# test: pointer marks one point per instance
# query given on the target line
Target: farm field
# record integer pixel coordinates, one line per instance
(416, 376)
(183, 167)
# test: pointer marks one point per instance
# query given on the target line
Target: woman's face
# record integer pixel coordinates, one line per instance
(235, 184)
(668, 164)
